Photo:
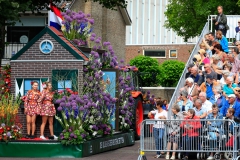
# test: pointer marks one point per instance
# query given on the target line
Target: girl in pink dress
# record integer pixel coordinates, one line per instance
(31, 108)
(47, 110)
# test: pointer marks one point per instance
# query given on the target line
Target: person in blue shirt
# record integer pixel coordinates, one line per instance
(215, 126)
(228, 88)
(223, 41)
(232, 102)
(217, 98)
(184, 103)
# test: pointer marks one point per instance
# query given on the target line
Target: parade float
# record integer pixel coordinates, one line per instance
(99, 105)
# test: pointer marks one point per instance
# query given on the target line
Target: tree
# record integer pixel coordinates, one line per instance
(188, 17)
(10, 11)
(148, 70)
(170, 73)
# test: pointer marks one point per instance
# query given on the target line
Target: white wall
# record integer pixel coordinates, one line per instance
(147, 24)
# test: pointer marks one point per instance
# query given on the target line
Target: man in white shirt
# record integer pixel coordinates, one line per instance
(205, 103)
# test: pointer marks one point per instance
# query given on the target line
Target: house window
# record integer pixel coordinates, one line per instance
(155, 53)
(63, 84)
(14, 33)
(27, 85)
(62, 79)
(173, 53)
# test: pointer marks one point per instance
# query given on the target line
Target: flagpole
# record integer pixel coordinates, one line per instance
(49, 12)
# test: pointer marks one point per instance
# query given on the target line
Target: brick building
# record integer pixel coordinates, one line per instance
(109, 24)
(149, 37)
(33, 62)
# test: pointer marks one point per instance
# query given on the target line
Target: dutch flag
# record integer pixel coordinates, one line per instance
(55, 17)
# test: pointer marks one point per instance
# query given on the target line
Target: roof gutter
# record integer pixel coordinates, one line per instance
(125, 15)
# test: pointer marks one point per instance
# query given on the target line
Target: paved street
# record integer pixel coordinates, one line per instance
(126, 153)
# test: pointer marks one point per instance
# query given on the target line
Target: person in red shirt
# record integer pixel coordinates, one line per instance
(190, 132)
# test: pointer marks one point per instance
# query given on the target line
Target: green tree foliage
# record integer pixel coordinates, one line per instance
(188, 17)
(148, 70)
(170, 73)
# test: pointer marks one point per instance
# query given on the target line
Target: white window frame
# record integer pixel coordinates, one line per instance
(171, 51)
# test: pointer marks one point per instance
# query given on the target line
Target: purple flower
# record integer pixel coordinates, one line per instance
(8, 134)
(59, 109)
(62, 104)
(85, 69)
(96, 55)
(92, 39)
(111, 64)
(72, 135)
(58, 101)
(85, 107)
(88, 15)
(75, 136)
(90, 78)
(148, 92)
(93, 35)
(68, 104)
(122, 112)
(81, 108)
(110, 48)
(97, 41)
(74, 107)
(85, 97)
(78, 99)
(121, 61)
(91, 21)
(68, 11)
(83, 135)
(128, 78)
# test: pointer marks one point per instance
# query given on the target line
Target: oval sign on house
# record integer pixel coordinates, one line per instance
(23, 39)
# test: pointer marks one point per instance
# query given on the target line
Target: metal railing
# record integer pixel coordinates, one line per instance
(190, 137)
(181, 82)
(232, 21)
(12, 48)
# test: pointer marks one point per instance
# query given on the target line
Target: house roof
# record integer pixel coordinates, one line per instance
(59, 37)
(126, 16)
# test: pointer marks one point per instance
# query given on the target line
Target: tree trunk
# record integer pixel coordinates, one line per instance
(2, 43)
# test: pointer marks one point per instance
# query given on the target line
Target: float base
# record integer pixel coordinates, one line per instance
(57, 150)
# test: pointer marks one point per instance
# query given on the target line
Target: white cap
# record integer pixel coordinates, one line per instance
(232, 95)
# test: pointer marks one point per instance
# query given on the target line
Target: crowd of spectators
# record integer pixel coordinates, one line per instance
(211, 91)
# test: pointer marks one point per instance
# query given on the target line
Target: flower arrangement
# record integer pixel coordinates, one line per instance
(77, 26)
(89, 115)
(109, 60)
(5, 81)
(58, 94)
(9, 109)
(8, 133)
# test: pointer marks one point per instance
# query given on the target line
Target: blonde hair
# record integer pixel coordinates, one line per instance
(219, 33)
(202, 45)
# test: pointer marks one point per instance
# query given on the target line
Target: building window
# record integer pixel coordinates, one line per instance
(63, 84)
(14, 33)
(173, 53)
(27, 84)
(62, 79)
(155, 53)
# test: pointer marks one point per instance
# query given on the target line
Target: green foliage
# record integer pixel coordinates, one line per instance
(188, 17)
(170, 72)
(148, 68)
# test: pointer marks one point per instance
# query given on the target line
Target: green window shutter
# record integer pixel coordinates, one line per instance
(65, 75)
(54, 79)
(73, 75)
